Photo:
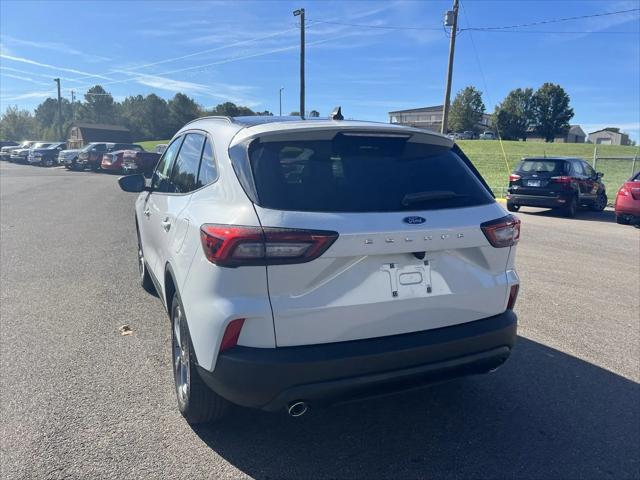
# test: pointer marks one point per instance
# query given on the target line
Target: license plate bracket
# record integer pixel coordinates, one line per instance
(533, 183)
(409, 281)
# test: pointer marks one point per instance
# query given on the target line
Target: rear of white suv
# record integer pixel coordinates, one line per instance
(307, 263)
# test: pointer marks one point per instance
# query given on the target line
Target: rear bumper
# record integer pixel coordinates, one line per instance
(270, 379)
(539, 200)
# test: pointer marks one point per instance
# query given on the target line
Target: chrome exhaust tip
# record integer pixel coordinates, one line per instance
(297, 409)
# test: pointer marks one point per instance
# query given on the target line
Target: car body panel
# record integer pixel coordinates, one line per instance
(627, 203)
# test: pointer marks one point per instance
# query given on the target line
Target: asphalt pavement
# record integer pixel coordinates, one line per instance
(79, 400)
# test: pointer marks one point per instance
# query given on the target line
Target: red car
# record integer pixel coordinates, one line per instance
(628, 202)
(129, 161)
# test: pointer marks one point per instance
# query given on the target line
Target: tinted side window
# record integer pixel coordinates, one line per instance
(160, 179)
(185, 170)
(208, 171)
(577, 168)
(588, 171)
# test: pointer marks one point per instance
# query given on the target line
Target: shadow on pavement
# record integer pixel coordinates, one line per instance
(608, 216)
(545, 414)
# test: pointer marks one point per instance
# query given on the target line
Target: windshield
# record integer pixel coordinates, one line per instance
(41, 145)
(557, 167)
(53, 146)
(361, 173)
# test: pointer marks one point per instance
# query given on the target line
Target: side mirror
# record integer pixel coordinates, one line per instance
(133, 183)
(599, 175)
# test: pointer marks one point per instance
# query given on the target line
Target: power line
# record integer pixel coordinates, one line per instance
(484, 83)
(553, 32)
(554, 20)
(495, 28)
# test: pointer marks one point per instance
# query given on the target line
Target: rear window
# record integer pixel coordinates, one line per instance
(361, 173)
(543, 166)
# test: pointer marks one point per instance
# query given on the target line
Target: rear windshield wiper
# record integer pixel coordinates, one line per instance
(418, 197)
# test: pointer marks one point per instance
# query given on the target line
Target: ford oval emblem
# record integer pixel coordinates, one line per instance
(414, 220)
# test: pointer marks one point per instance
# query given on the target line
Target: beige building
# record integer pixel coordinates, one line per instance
(609, 136)
(575, 134)
(430, 118)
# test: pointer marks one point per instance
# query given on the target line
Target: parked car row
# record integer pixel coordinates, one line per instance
(470, 135)
(107, 156)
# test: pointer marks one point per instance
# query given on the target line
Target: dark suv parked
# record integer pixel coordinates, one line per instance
(559, 182)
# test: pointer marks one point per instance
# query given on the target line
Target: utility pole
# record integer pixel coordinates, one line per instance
(57, 80)
(300, 13)
(450, 20)
(73, 106)
(281, 88)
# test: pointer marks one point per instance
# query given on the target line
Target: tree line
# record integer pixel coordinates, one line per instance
(523, 112)
(148, 117)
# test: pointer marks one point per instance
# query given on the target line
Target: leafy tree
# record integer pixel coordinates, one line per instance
(466, 110)
(182, 109)
(17, 124)
(158, 117)
(514, 115)
(314, 114)
(46, 117)
(232, 110)
(98, 107)
(134, 117)
(294, 114)
(551, 111)
(266, 113)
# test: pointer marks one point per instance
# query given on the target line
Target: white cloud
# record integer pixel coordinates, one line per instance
(53, 67)
(24, 96)
(53, 46)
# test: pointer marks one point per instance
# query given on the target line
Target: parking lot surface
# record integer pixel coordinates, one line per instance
(78, 400)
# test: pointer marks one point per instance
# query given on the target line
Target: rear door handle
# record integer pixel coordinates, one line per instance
(147, 212)
(166, 224)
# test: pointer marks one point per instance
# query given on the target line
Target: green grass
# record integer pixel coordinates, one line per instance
(150, 145)
(488, 158)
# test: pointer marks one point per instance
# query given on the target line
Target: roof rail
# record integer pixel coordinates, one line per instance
(210, 117)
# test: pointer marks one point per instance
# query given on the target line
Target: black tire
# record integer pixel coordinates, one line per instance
(622, 220)
(47, 162)
(95, 167)
(572, 207)
(197, 402)
(600, 203)
(512, 207)
(144, 277)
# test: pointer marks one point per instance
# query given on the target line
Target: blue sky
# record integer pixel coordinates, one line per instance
(245, 51)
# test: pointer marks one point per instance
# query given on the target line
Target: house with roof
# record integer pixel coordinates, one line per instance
(82, 133)
(575, 134)
(430, 118)
(609, 136)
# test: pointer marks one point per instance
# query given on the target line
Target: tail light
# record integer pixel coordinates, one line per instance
(561, 179)
(234, 246)
(231, 334)
(635, 193)
(513, 296)
(502, 232)
(514, 177)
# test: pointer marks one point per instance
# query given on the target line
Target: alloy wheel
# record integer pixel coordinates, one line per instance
(180, 343)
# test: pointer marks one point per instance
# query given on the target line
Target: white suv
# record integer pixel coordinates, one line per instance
(310, 262)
